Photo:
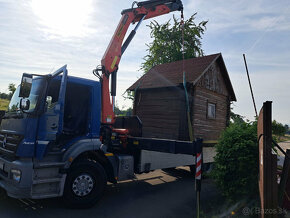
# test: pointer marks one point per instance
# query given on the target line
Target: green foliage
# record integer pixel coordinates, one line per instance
(130, 95)
(4, 95)
(123, 112)
(4, 104)
(287, 130)
(278, 128)
(167, 44)
(236, 162)
(236, 118)
(11, 88)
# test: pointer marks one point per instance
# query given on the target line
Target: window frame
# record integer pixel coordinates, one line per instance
(208, 104)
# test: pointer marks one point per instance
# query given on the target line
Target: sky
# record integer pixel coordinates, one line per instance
(40, 36)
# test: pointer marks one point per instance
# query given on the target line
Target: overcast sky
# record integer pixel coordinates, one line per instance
(39, 36)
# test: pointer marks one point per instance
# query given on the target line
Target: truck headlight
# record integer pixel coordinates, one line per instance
(16, 175)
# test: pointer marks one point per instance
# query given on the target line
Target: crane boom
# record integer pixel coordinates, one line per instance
(115, 49)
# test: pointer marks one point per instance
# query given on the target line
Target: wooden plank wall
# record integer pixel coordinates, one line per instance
(210, 89)
(159, 111)
(209, 129)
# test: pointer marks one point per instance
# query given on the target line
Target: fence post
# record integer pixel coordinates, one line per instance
(267, 162)
(198, 164)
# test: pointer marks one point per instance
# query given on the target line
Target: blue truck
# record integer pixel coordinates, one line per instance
(57, 139)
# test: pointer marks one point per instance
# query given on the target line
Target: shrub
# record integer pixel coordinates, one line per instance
(236, 162)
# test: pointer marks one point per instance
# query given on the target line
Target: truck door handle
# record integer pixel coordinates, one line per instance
(53, 126)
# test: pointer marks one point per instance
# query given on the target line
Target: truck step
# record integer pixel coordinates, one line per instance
(48, 165)
(47, 180)
(48, 187)
(45, 195)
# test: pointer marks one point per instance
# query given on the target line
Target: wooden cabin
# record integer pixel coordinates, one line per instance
(160, 100)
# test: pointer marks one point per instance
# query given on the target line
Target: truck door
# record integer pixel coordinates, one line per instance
(51, 122)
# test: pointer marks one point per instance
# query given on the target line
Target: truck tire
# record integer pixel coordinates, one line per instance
(85, 184)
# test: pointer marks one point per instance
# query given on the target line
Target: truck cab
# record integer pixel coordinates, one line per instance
(43, 133)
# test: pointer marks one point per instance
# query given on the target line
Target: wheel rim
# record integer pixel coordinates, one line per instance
(83, 185)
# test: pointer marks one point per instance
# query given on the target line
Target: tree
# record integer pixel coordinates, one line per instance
(11, 88)
(286, 126)
(278, 128)
(167, 42)
(4, 95)
(236, 118)
(123, 112)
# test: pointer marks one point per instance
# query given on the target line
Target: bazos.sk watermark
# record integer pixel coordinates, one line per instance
(247, 211)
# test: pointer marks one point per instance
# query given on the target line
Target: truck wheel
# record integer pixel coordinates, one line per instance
(84, 184)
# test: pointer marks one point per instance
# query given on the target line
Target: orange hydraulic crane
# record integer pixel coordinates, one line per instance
(113, 54)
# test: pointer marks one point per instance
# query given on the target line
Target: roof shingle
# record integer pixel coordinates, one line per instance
(171, 74)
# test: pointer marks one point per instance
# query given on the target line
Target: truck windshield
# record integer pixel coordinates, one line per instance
(36, 90)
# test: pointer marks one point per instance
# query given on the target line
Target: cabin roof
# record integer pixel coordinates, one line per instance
(171, 74)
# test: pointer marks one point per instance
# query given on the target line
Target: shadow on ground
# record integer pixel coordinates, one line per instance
(167, 193)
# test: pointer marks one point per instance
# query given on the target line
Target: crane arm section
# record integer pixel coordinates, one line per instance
(115, 49)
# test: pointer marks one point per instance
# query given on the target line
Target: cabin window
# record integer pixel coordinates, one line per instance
(211, 111)
(76, 109)
(53, 93)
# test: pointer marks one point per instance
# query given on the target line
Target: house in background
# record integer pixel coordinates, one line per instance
(161, 105)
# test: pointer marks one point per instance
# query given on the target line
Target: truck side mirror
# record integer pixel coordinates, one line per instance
(25, 86)
(24, 104)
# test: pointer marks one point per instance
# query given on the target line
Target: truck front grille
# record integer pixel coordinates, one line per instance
(8, 144)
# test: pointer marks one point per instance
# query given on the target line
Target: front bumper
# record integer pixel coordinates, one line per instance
(15, 189)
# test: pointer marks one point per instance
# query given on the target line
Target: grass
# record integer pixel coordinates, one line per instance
(4, 104)
(284, 138)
